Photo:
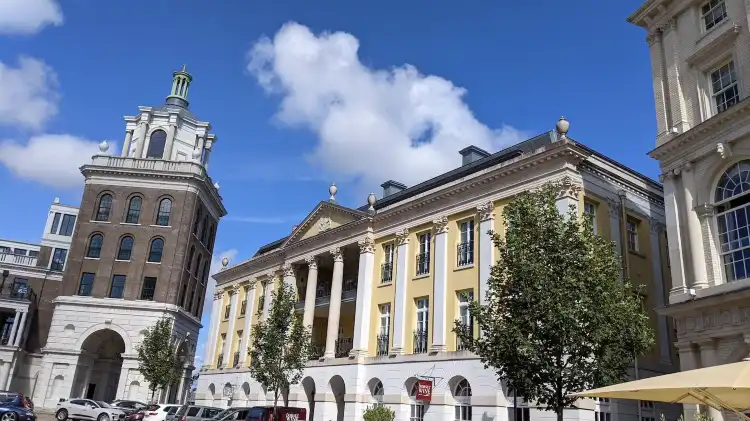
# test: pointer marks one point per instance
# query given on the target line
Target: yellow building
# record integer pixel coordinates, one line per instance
(382, 284)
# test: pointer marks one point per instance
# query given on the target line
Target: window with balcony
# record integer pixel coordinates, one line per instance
(55, 223)
(104, 208)
(422, 328)
(86, 284)
(385, 329)
(117, 288)
(94, 249)
(5, 250)
(465, 255)
(386, 270)
(58, 259)
(416, 408)
(423, 258)
(631, 225)
(724, 87)
(134, 210)
(156, 250)
(732, 206)
(125, 251)
(149, 287)
(20, 252)
(589, 209)
(465, 298)
(712, 13)
(33, 253)
(165, 211)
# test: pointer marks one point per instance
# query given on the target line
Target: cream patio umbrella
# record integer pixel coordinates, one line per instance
(724, 386)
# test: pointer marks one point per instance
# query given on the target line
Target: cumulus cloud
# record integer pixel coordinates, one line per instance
(26, 17)
(28, 93)
(50, 159)
(372, 125)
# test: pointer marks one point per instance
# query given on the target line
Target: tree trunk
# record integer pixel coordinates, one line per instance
(559, 412)
(275, 404)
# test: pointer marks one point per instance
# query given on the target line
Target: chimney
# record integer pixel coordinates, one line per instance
(471, 154)
(391, 187)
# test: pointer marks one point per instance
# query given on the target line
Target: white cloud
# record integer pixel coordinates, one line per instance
(365, 118)
(26, 17)
(28, 92)
(49, 159)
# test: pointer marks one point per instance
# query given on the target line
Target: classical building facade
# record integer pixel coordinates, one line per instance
(137, 249)
(701, 70)
(382, 284)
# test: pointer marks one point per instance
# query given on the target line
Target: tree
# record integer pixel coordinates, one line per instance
(558, 318)
(280, 344)
(378, 413)
(157, 356)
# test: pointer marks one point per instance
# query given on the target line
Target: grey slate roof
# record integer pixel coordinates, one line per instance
(182, 111)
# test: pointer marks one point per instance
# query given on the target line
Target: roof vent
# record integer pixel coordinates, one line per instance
(471, 154)
(391, 187)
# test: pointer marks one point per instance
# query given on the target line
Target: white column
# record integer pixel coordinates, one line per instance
(402, 276)
(661, 90)
(126, 143)
(440, 293)
(267, 297)
(21, 329)
(247, 327)
(14, 329)
(308, 317)
(486, 247)
(230, 329)
(207, 155)
(334, 308)
(364, 297)
(141, 139)
(697, 253)
(213, 332)
(656, 229)
(4, 374)
(167, 155)
(674, 240)
(289, 277)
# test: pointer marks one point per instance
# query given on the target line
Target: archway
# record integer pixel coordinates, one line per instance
(338, 389)
(211, 394)
(375, 386)
(99, 366)
(308, 385)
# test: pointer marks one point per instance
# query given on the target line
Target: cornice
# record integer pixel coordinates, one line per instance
(311, 218)
(622, 184)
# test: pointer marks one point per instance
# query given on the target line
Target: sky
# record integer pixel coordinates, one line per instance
(302, 94)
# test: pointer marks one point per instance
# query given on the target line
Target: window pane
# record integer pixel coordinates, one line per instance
(156, 144)
(126, 248)
(58, 259)
(68, 222)
(87, 284)
(55, 223)
(149, 286)
(118, 286)
(157, 247)
(95, 246)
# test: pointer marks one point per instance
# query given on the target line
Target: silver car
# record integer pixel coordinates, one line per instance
(195, 413)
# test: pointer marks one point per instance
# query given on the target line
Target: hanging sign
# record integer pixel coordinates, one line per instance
(424, 390)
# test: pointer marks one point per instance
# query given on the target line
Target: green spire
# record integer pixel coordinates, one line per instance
(180, 84)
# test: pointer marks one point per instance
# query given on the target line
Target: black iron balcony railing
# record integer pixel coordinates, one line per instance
(343, 346)
(423, 264)
(316, 351)
(236, 361)
(17, 291)
(420, 341)
(386, 272)
(465, 254)
(220, 361)
(383, 341)
(323, 293)
(460, 344)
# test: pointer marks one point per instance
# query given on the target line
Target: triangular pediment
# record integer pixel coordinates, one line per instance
(326, 216)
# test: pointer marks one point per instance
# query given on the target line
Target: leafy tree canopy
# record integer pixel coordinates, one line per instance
(378, 413)
(157, 356)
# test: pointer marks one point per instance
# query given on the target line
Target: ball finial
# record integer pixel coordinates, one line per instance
(216, 186)
(562, 127)
(371, 199)
(104, 146)
(332, 190)
(196, 154)
(225, 262)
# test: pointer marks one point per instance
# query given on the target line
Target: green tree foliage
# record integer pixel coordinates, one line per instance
(280, 345)
(558, 318)
(378, 413)
(157, 356)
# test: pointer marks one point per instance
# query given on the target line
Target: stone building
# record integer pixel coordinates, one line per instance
(382, 284)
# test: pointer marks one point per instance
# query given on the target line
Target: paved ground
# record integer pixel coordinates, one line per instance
(45, 416)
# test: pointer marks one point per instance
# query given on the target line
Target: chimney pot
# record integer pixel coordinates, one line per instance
(391, 187)
(472, 153)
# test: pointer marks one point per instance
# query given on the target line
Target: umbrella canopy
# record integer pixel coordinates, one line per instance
(724, 386)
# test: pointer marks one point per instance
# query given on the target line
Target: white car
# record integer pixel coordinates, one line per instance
(87, 410)
(160, 412)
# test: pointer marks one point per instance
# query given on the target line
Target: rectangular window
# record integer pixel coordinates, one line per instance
(20, 252)
(386, 270)
(602, 410)
(422, 326)
(465, 298)
(243, 308)
(385, 319)
(520, 414)
(58, 259)
(632, 227)
(86, 285)
(149, 287)
(55, 223)
(4, 250)
(226, 312)
(465, 255)
(33, 253)
(590, 210)
(68, 222)
(19, 288)
(724, 87)
(713, 12)
(417, 412)
(117, 288)
(423, 258)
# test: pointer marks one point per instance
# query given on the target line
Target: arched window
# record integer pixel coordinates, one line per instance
(165, 210)
(126, 248)
(733, 225)
(190, 259)
(104, 208)
(417, 408)
(95, 246)
(156, 144)
(462, 395)
(197, 223)
(211, 238)
(204, 276)
(377, 393)
(157, 247)
(197, 265)
(204, 233)
(134, 210)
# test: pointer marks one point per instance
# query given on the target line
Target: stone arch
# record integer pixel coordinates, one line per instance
(55, 392)
(211, 394)
(134, 390)
(308, 386)
(417, 409)
(376, 390)
(337, 387)
(246, 392)
(706, 184)
(460, 389)
(105, 326)
(99, 365)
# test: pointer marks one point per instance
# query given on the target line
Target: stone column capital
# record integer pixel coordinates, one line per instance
(367, 244)
(705, 210)
(440, 225)
(287, 270)
(218, 294)
(614, 207)
(567, 187)
(486, 211)
(338, 255)
(655, 225)
(402, 236)
(312, 262)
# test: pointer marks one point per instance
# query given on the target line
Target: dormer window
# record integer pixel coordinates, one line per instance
(713, 12)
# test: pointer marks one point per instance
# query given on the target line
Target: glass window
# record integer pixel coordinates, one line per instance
(126, 248)
(197, 223)
(68, 223)
(134, 210)
(149, 286)
(156, 144)
(204, 231)
(724, 87)
(590, 210)
(713, 12)
(104, 209)
(417, 409)
(385, 319)
(462, 395)
(95, 246)
(632, 228)
(466, 245)
(602, 410)
(86, 285)
(165, 210)
(157, 247)
(32, 253)
(520, 414)
(193, 411)
(377, 394)
(118, 286)
(20, 252)
(5, 250)
(423, 258)
(55, 223)
(58, 259)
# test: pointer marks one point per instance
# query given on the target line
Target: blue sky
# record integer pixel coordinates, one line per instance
(304, 93)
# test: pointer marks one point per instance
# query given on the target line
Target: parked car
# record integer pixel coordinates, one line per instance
(14, 407)
(141, 413)
(160, 412)
(128, 406)
(189, 412)
(285, 413)
(87, 409)
(232, 414)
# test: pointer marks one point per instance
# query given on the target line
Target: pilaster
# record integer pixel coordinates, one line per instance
(364, 297)
(567, 196)
(656, 228)
(234, 297)
(672, 216)
(710, 250)
(486, 247)
(126, 144)
(402, 273)
(440, 293)
(673, 61)
(213, 330)
(697, 252)
(247, 326)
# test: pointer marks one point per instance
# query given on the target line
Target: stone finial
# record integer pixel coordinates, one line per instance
(224, 262)
(332, 191)
(371, 201)
(562, 127)
(216, 186)
(197, 154)
(104, 146)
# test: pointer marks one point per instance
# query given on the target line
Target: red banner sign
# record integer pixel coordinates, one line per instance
(424, 390)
